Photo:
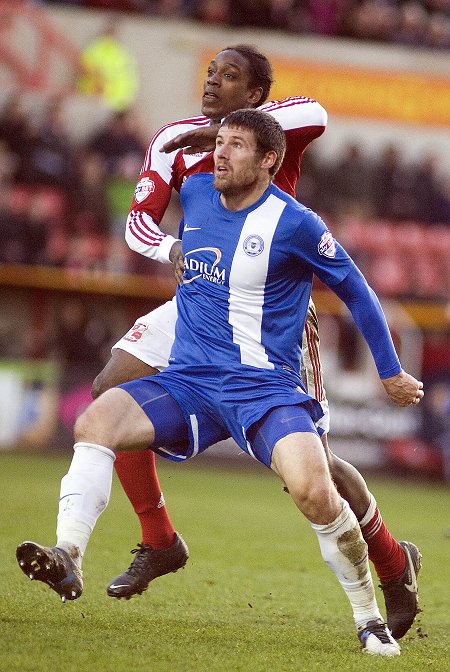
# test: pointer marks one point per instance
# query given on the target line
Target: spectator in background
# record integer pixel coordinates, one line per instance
(247, 13)
(423, 23)
(88, 202)
(14, 248)
(117, 141)
(170, 8)
(49, 152)
(430, 191)
(349, 184)
(438, 31)
(27, 220)
(119, 146)
(370, 20)
(109, 70)
(40, 219)
(291, 15)
(413, 20)
(15, 132)
(326, 16)
(394, 184)
(14, 245)
(214, 12)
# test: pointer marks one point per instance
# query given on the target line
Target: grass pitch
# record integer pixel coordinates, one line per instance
(255, 595)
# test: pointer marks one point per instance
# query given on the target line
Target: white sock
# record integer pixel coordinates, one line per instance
(345, 552)
(369, 514)
(84, 495)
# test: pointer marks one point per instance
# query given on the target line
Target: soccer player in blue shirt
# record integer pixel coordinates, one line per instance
(237, 77)
(250, 254)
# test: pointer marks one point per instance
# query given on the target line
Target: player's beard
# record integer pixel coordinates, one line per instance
(235, 183)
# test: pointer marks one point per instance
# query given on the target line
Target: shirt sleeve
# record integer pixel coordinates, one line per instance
(314, 244)
(150, 200)
(369, 317)
(303, 120)
(297, 113)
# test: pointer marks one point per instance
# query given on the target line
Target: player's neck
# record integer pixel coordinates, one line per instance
(245, 198)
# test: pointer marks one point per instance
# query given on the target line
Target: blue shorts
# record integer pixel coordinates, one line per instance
(202, 405)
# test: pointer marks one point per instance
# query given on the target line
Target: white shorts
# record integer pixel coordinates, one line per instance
(150, 339)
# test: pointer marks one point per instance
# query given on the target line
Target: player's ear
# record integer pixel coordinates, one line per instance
(255, 96)
(269, 159)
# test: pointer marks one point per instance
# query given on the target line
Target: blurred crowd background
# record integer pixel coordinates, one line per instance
(64, 199)
(64, 203)
(411, 22)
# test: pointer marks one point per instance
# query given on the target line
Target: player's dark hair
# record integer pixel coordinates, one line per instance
(267, 131)
(260, 68)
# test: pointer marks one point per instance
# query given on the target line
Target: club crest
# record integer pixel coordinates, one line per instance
(327, 246)
(144, 187)
(253, 245)
(136, 332)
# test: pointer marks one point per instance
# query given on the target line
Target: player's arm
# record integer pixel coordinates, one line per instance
(150, 201)
(368, 315)
(177, 258)
(194, 141)
(313, 243)
(304, 119)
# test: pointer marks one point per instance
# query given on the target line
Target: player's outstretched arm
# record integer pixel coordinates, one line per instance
(403, 389)
(193, 142)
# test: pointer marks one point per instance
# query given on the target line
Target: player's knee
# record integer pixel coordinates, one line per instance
(92, 425)
(315, 500)
(105, 421)
(82, 426)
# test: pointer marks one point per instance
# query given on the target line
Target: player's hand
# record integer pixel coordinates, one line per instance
(403, 389)
(193, 142)
(177, 259)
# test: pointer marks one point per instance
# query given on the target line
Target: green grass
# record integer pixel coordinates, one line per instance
(255, 594)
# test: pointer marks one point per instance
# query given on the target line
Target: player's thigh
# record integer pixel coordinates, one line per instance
(277, 424)
(292, 444)
(300, 461)
(117, 421)
(167, 418)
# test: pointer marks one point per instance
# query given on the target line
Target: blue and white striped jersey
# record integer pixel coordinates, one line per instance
(248, 278)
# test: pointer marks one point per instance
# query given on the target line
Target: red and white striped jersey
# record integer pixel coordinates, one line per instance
(302, 119)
